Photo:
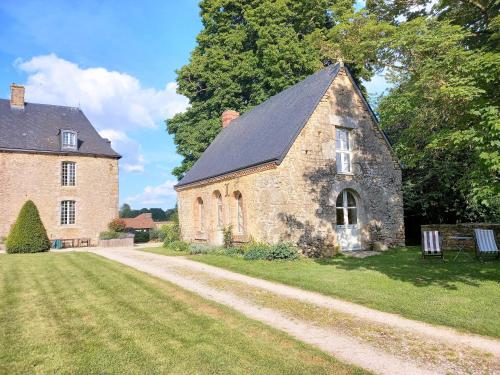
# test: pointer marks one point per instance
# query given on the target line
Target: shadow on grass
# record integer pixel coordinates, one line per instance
(406, 265)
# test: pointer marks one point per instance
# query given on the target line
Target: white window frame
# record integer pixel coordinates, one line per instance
(68, 212)
(68, 173)
(201, 213)
(69, 140)
(219, 207)
(346, 207)
(343, 150)
(240, 220)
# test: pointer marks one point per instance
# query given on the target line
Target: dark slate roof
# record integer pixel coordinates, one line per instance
(266, 132)
(37, 127)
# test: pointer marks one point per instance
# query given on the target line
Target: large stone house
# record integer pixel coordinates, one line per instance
(54, 156)
(310, 165)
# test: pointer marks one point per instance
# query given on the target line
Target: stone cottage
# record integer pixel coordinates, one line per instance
(310, 165)
(54, 156)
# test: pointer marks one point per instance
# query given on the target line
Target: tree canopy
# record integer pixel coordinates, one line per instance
(158, 214)
(248, 51)
(441, 58)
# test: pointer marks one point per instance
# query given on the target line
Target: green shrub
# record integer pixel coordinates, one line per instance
(283, 251)
(140, 237)
(28, 235)
(169, 233)
(117, 225)
(198, 248)
(256, 251)
(227, 233)
(178, 246)
(260, 251)
(154, 234)
(233, 251)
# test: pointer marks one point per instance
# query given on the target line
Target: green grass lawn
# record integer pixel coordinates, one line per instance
(80, 313)
(463, 294)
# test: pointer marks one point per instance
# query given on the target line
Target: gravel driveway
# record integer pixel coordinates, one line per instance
(380, 342)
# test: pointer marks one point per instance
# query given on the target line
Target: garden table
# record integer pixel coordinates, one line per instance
(461, 241)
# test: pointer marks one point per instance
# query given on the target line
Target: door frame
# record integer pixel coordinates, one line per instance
(346, 226)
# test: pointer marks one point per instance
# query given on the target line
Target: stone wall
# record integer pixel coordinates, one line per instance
(295, 201)
(465, 230)
(25, 176)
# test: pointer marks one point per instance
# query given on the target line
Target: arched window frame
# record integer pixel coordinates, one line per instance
(240, 217)
(346, 206)
(219, 210)
(201, 214)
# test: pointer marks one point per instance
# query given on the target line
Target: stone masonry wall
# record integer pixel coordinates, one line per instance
(296, 201)
(460, 230)
(37, 177)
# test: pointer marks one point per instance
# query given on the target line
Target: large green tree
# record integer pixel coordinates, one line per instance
(247, 51)
(442, 113)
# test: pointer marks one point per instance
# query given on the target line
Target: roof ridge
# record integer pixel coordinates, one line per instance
(49, 105)
(282, 92)
(265, 132)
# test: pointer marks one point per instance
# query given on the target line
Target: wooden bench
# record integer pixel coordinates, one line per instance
(75, 242)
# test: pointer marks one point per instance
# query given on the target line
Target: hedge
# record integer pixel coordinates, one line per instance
(28, 235)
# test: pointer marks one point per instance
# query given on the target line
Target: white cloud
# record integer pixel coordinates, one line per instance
(114, 102)
(160, 195)
(133, 160)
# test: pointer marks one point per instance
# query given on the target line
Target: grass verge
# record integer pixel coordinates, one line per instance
(163, 251)
(79, 313)
(461, 294)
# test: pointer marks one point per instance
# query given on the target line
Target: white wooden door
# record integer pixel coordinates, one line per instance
(347, 222)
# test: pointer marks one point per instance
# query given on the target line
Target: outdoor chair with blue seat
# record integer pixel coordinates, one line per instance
(486, 245)
(432, 244)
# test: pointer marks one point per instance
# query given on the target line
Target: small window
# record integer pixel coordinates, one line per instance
(239, 213)
(68, 212)
(68, 173)
(68, 140)
(201, 214)
(220, 222)
(343, 150)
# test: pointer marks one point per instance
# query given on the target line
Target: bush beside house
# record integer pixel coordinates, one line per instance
(28, 234)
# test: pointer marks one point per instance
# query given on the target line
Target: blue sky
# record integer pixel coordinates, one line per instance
(116, 60)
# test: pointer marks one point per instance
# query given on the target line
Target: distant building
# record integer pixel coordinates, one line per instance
(142, 223)
(54, 156)
(310, 165)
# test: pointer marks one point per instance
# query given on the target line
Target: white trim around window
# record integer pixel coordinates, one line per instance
(69, 140)
(343, 150)
(68, 212)
(68, 173)
(240, 220)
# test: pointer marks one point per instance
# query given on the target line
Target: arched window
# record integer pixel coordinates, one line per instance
(239, 213)
(347, 212)
(218, 209)
(201, 214)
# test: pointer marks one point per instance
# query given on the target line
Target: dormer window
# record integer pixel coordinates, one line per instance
(69, 140)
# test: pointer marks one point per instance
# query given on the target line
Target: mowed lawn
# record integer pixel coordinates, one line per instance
(80, 313)
(464, 294)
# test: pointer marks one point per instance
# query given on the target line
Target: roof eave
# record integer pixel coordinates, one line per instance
(231, 174)
(65, 153)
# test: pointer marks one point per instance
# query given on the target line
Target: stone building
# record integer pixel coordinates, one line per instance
(54, 156)
(310, 165)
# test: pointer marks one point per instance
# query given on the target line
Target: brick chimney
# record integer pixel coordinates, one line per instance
(228, 116)
(17, 96)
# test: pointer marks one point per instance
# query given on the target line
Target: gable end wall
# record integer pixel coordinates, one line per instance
(296, 201)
